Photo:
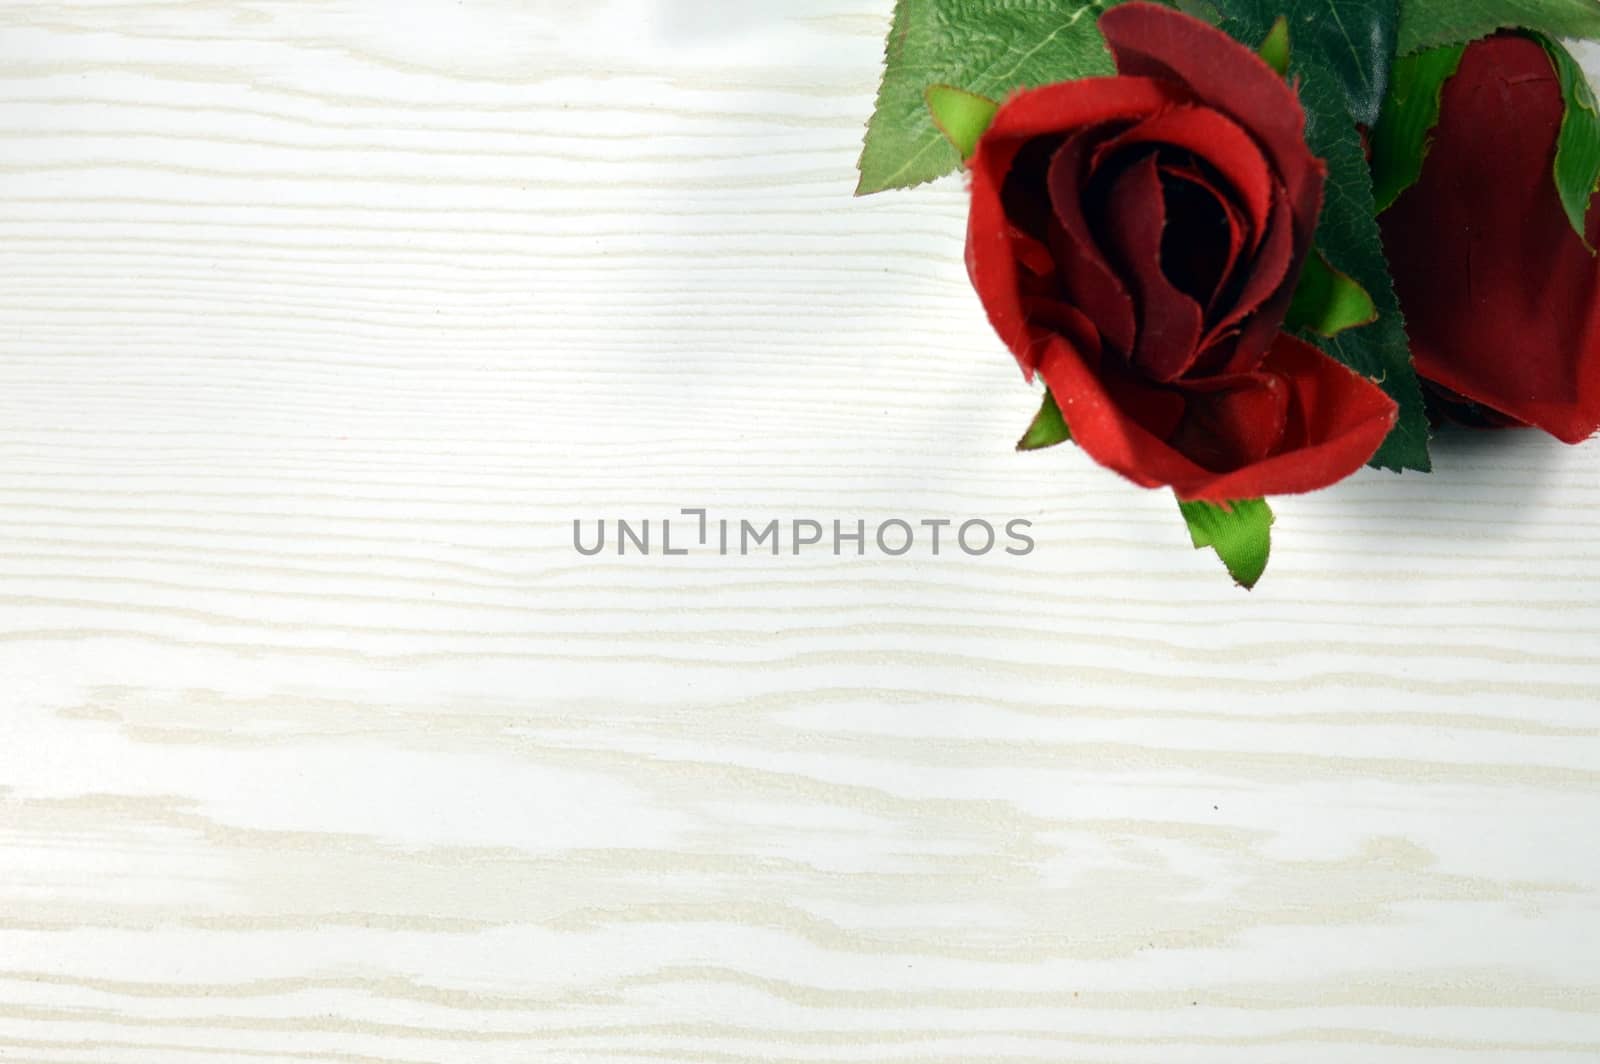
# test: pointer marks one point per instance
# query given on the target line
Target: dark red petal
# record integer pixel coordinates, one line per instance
(1207, 280)
(1053, 317)
(1033, 256)
(1266, 294)
(1216, 139)
(1106, 423)
(1501, 298)
(1156, 408)
(1335, 421)
(1445, 405)
(1053, 109)
(1151, 41)
(1089, 279)
(1233, 422)
(1169, 321)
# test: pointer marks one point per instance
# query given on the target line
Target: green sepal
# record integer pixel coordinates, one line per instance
(1403, 135)
(1048, 429)
(1577, 169)
(1328, 302)
(1275, 49)
(961, 116)
(1240, 533)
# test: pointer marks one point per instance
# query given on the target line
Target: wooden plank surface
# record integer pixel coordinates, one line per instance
(322, 323)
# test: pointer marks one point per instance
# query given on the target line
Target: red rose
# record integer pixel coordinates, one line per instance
(1499, 294)
(1136, 241)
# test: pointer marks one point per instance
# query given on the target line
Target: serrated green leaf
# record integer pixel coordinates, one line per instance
(1240, 533)
(1401, 139)
(1048, 429)
(1349, 238)
(1204, 10)
(1327, 302)
(1275, 49)
(1430, 23)
(1354, 40)
(961, 116)
(1577, 169)
(987, 47)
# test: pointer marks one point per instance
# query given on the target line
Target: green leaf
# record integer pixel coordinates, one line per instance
(1430, 23)
(961, 116)
(1401, 139)
(1048, 429)
(987, 47)
(1354, 40)
(1240, 533)
(1275, 49)
(1349, 239)
(1577, 167)
(1204, 10)
(1348, 236)
(1328, 302)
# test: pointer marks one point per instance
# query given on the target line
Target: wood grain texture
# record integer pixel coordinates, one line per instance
(322, 322)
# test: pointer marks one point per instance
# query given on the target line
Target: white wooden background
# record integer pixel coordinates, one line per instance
(321, 322)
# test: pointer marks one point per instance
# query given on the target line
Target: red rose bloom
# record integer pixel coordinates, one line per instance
(1136, 241)
(1499, 294)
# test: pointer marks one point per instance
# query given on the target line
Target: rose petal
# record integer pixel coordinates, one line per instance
(1334, 422)
(1025, 194)
(1215, 138)
(1036, 112)
(1169, 320)
(1445, 405)
(1199, 260)
(1089, 279)
(1502, 300)
(1052, 317)
(1158, 409)
(1148, 40)
(1034, 258)
(1232, 422)
(1065, 106)
(1266, 295)
(1151, 41)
